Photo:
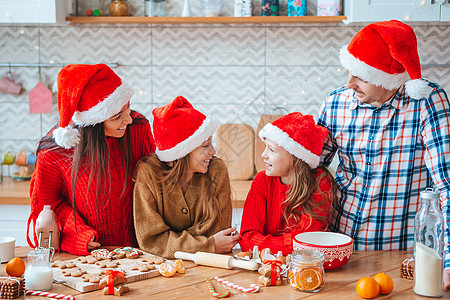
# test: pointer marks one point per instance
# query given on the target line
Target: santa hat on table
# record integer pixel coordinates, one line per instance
(385, 54)
(299, 135)
(179, 128)
(87, 95)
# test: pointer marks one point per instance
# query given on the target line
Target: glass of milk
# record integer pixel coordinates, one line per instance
(38, 273)
(428, 247)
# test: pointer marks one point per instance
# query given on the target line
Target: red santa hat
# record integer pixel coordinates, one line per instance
(179, 128)
(385, 54)
(87, 95)
(299, 135)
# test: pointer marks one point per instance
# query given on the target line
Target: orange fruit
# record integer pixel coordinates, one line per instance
(15, 267)
(367, 287)
(385, 282)
(179, 266)
(308, 279)
(167, 270)
(291, 279)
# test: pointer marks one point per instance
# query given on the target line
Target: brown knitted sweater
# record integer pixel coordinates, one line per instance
(168, 221)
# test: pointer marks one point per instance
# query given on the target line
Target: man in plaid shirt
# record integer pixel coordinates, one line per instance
(390, 129)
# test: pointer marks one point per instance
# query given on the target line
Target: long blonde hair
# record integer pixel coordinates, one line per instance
(176, 173)
(305, 183)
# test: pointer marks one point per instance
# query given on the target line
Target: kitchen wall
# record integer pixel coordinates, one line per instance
(234, 72)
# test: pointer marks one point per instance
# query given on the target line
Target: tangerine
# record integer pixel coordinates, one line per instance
(386, 283)
(167, 270)
(291, 278)
(367, 287)
(179, 266)
(15, 267)
(309, 279)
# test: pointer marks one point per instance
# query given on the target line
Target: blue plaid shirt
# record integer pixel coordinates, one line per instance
(387, 156)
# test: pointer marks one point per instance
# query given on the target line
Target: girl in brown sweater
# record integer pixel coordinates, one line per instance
(182, 193)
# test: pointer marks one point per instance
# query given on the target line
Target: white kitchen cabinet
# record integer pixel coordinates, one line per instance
(33, 11)
(403, 10)
(13, 222)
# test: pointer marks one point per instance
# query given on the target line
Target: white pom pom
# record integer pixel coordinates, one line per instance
(66, 137)
(418, 88)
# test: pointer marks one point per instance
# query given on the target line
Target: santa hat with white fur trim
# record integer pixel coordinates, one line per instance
(299, 135)
(385, 54)
(87, 95)
(179, 128)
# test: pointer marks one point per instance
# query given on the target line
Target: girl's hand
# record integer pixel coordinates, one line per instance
(92, 245)
(224, 241)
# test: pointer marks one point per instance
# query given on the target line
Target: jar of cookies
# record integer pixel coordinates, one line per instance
(305, 270)
(38, 273)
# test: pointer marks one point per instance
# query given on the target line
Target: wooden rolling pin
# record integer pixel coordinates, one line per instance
(217, 260)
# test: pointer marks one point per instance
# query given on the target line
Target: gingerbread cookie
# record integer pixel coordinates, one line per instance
(107, 264)
(63, 264)
(118, 279)
(149, 260)
(92, 278)
(159, 260)
(102, 254)
(118, 289)
(142, 267)
(127, 252)
(90, 259)
(75, 272)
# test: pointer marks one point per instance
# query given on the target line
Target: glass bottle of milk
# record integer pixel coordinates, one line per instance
(38, 273)
(428, 247)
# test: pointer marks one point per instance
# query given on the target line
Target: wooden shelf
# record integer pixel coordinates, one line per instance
(204, 20)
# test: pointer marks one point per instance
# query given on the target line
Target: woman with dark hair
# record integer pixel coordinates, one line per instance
(84, 166)
(293, 194)
(182, 193)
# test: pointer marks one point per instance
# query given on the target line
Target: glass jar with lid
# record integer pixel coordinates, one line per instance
(305, 270)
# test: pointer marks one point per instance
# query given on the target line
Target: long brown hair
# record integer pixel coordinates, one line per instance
(176, 173)
(92, 152)
(306, 182)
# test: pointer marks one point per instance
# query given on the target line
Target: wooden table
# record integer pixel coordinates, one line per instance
(339, 284)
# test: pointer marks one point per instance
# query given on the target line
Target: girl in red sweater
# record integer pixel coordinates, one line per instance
(84, 167)
(293, 194)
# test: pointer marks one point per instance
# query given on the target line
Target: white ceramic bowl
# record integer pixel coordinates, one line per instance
(336, 247)
(7, 247)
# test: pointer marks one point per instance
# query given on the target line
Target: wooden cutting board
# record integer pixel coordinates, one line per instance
(259, 144)
(235, 146)
(126, 264)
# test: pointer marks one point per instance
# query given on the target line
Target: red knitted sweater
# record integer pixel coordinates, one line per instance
(111, 220)
(262, 220)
